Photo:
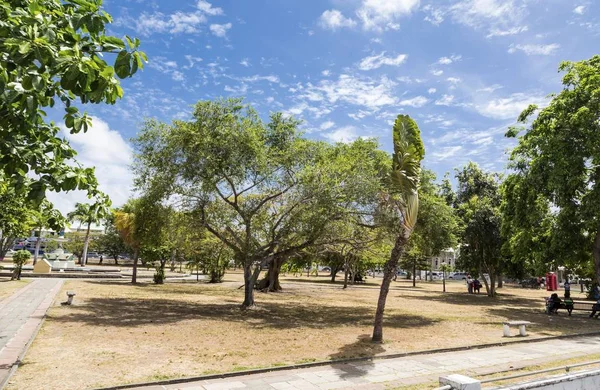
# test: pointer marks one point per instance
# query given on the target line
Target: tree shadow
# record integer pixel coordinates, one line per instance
(131, 312)
(328, 282)
(361, 348)
(545, 324)
(481, 299)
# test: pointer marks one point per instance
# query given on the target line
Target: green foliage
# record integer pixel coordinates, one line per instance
(478, 204)
(260, 188)
(75, 243)
(159, 275)
(52, 51)
(557, 168)
(111, 243)
(20, 258)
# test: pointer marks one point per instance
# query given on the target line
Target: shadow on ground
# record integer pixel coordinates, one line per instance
(362, 347)
(127, 312)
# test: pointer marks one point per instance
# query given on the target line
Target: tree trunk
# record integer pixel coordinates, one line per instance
(85, 245)
(500, 283)
(596, 254)
(248, 287)
(415, 274)
(444, 281)
(38, 244)
(135, 263)
(492, 292)
(271, 280)
(333, 274)
(346, 275)
(173, 256)
(388, 270)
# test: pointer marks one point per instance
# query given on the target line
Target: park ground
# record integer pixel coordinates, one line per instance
(117, 333)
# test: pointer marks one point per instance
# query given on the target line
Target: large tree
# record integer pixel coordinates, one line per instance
(557, 162)
(260, 188)
(15, 217)
(53, 52)
(129, 220)
(478, 201)
(403, 200)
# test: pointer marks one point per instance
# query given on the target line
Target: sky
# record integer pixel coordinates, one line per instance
(463, 69)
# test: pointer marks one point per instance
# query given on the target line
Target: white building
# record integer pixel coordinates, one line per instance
(447, 256)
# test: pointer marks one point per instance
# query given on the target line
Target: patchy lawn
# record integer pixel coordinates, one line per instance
(8, 287)
(117, 333)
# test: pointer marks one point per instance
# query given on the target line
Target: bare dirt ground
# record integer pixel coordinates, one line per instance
(116, 333)
(8, 287)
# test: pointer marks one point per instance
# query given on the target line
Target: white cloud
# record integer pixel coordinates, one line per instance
(509, 107)
(449, 60)
(207, 8)
(252, 79)
(580, 10)
(418, 101)
(531, 49)
(245, 62)
(494, 32)
(453, 80)
(376, 61)
(326, 73)
(437, 72)
(491, 15)
(431, 91)
(327, 125)
(333, 19)
(220, 30)
(367, 92)
(491, 88)
(343, 134)
(446, 152)
(436, 15)
(176, 23)
(379, 15)
(106, 150)
(445, 100)
(177, 75)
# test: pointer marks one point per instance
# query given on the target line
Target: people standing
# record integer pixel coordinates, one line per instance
(567, 286)
(469, 284)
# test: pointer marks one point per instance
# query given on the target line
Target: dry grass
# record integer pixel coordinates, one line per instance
(8, 287)
(117, 333)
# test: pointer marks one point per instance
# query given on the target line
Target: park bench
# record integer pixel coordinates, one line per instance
(520, 324)
(576, 306)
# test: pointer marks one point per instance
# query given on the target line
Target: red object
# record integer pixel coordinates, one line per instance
(551, 282)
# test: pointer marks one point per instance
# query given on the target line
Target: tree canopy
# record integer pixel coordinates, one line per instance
(557, 170)
(52, 52)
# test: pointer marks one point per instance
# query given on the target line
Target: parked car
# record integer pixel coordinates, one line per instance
(92, 255)
(458, 276)
(530, 283)
(435, 275)
(402, 274)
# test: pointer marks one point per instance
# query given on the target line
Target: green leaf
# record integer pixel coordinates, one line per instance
(123, 64)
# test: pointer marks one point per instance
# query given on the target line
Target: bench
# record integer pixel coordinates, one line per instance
(576, 305)
(520, 324)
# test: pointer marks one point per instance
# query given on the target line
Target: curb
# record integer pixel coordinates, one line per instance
(341, 361)
(16, 365)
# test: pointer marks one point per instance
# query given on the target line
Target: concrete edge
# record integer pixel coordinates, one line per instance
(16, 365)
(340, 361)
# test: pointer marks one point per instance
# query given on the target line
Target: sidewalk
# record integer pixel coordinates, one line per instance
(20, 317)
(398, 372)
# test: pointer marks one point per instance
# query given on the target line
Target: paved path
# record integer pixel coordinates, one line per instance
(418, 369)
(20, 317)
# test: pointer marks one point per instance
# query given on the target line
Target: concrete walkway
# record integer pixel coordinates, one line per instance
(20, 317)
(412, 370)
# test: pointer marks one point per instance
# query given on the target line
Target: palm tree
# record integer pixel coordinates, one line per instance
(125, 222)
(404, 199)
(89, 214)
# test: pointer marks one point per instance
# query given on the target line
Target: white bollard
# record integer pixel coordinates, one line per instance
(506, 330)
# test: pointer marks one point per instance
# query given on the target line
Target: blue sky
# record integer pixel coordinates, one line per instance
(463, 69)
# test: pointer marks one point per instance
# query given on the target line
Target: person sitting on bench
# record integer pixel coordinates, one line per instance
(553, 304)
